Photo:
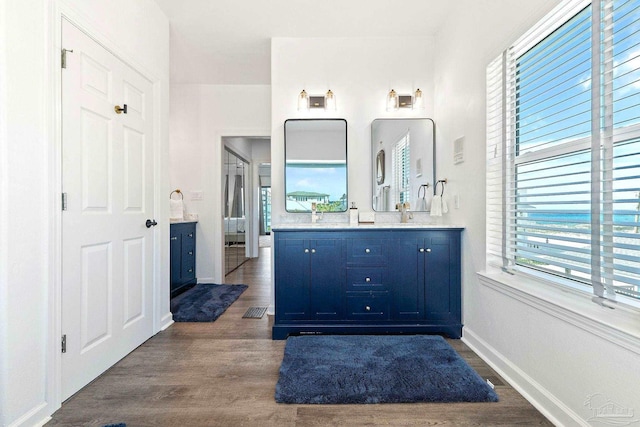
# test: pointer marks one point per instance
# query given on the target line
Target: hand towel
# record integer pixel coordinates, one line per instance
(436, 205)
(445, 207)
(176, 210)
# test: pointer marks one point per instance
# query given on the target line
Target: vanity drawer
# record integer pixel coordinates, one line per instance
(368, 305)
(366, 278)
(366, 251)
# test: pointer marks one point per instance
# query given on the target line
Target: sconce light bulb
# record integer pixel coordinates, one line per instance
(392, 100)
(418, 102)
(330, 101)
(303, 101)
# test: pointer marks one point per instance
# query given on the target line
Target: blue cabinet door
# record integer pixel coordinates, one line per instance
(442, 278)
(293, 272)
(328, 277)
(175, 264)
(310, 277)
(407, 282)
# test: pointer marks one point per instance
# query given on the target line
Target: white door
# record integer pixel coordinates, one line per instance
(107, 176)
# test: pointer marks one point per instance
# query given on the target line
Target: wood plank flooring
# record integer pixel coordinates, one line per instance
(224, 374)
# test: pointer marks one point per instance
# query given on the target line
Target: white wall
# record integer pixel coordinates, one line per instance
(557, 357)
(28, 349)
(360, 72)
(201, 115)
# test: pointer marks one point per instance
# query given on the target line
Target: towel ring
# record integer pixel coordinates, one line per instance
(179, 192)
(435, 187)
(423, 187)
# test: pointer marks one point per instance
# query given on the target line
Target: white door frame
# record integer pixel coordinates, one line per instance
(161, 315)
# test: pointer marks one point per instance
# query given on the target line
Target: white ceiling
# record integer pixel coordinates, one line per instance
(228, 41)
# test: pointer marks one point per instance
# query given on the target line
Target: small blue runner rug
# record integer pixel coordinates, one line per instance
(334, 369)
(204, 302)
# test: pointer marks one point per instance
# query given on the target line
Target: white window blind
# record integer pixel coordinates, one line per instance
(563, 148)
(401, 170)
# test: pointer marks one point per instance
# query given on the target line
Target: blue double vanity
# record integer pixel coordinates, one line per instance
(341, 279)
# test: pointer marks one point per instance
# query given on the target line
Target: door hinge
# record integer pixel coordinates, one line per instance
(64, 201)
(64, 343)
(63, 61)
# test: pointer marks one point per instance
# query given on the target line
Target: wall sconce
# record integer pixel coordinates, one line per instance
(395, 101)
(308, 102)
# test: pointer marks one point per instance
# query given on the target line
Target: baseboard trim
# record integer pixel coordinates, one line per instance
(541, 398)
(166, 321)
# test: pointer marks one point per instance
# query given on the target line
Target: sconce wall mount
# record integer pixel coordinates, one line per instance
(395, 101)
(308, 102)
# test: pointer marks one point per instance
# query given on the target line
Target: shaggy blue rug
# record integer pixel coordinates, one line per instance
(204, 302)
(377, 369)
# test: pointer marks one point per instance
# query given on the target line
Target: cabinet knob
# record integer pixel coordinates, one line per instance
(421, 250)
(313, 251)
(367, 308)
(174, 238)
(367, 279)
(190, 252)
(306, 251)
(190, 234)
(428, 249)
(367, 250)
(191, 270)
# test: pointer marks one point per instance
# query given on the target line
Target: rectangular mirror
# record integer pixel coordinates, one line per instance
(315, 164)
(403, 156)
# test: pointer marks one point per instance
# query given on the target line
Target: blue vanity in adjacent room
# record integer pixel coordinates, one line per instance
(382, 278)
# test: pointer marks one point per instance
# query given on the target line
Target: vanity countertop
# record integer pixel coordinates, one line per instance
(181, 221)
(364, 226)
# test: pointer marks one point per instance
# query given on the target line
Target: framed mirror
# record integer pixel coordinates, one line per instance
(315, 164)
(403, 160)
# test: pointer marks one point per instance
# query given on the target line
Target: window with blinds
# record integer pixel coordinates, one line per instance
(401, 170)
(563, 148)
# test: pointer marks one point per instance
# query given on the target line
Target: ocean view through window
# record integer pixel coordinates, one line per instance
(563, 140)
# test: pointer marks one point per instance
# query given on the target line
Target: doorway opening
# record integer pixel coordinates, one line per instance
(246, 182)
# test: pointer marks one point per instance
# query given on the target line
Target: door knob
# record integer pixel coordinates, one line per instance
(150, 223)
(119, 110)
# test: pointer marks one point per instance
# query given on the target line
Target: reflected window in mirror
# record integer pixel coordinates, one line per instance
(316, 165)
(408, 166)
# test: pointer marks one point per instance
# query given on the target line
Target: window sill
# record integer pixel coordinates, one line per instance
(620, 325)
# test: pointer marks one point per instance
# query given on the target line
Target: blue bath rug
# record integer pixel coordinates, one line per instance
(204, 302)
(334, 369)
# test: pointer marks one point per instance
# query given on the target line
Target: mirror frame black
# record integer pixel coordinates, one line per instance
(346, 158)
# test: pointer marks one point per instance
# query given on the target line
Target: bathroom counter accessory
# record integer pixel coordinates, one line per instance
(360, 280)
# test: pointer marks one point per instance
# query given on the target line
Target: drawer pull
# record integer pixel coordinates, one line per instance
(367, 308)
(367, 279)
(174, 238)
(367, 250)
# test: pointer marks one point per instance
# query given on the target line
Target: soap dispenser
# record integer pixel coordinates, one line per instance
(353, 214)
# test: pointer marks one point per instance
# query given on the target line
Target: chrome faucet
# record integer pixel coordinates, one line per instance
(404, 213)
(315, 216)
